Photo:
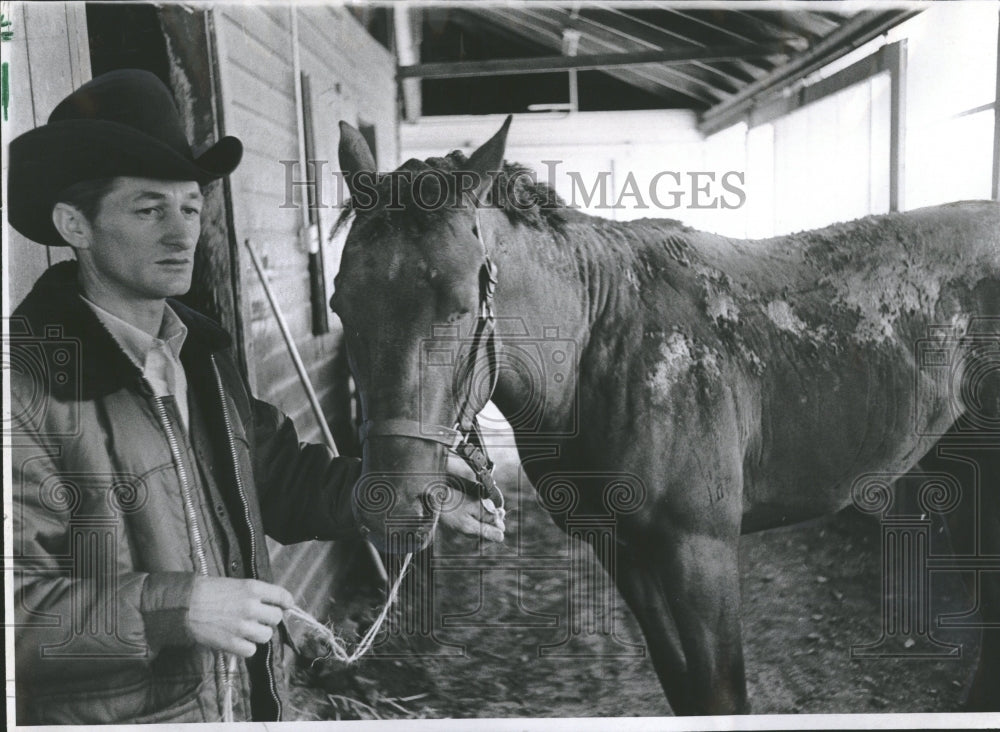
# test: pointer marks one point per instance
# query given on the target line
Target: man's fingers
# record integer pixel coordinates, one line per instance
(257, 632)
(470, 524)
(273, 594)
(240, 647)
(267, 614)
(493, 533)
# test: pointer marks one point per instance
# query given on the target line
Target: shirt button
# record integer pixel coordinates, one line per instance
(235, 566)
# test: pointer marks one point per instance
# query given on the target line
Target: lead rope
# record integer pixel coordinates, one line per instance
(227, 694)
(323, 633)
(337, 649)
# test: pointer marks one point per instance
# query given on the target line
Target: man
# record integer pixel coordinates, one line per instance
(145, 474)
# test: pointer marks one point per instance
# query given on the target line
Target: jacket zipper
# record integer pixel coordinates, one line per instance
(272, 686)
(189, 511)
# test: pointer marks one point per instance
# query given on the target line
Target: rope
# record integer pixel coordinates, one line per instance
(337, 648)
(326, 635)
(227, 694)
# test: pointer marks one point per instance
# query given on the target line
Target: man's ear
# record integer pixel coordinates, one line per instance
(72, 225)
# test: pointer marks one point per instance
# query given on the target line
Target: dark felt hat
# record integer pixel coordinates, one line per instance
(122, 123)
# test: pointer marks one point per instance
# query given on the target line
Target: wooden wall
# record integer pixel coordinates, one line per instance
(352, 77)
(49, 57)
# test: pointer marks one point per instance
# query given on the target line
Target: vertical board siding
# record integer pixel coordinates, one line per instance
(353, 78)
(49, 58)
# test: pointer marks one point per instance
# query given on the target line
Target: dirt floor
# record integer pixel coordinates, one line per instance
(810, 593)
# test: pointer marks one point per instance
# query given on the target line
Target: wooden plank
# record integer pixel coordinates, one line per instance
(620, 32)
(26, 260)
(880, 61)
(251, 23)
(335, 54)
(600, 62)
(274, 82)
(346, 36)
(78, 44)
(737, 72)
(307, 571)
(896, 60)
(996, 124)
(660, 80)
(49, 41)
(48, 56)
(264, 115)
(408, 30)
(78, 59)
(864, 26)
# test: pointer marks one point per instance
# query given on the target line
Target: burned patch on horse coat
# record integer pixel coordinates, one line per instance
(682, 365)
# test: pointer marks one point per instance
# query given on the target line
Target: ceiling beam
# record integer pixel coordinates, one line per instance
(542, 26)
(599, 62)
(658, 81)
(857, 31)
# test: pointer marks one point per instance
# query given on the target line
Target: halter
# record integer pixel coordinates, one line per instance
(465, 439)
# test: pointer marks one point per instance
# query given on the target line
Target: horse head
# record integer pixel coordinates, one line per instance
(414, 293)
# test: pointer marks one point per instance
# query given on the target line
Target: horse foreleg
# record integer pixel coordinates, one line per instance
(641, 587)
(646, 586)
(701, 578)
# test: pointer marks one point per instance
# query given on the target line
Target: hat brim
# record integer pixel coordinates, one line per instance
(50, 158)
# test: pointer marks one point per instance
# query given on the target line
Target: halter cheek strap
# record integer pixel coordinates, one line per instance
(465, 439)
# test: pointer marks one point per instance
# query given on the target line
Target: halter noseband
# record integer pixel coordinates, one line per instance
(465, 439)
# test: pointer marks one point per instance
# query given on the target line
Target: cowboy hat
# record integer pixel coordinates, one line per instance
(122, 123)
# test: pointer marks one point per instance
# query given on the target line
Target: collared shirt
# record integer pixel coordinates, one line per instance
(159, 358)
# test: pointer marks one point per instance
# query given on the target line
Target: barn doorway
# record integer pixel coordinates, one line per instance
(175, 44)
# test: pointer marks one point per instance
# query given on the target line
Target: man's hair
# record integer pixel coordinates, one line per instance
(87, 195)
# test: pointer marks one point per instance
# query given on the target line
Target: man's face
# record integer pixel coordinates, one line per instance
(143, 238)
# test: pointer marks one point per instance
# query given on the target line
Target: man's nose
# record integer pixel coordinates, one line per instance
(180, 230)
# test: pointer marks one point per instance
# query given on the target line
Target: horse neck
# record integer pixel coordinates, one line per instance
(554, 293)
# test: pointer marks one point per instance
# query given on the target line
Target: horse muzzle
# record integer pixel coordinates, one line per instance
(392, 509)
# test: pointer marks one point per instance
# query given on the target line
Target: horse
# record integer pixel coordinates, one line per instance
(746, 384)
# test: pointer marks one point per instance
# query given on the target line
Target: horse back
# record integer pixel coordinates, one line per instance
(838, 349)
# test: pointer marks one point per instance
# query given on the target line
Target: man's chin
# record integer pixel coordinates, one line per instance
(178, 287)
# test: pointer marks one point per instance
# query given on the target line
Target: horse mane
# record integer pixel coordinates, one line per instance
(515, 189)
(534, 204)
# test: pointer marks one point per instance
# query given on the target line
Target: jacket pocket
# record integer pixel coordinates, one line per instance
(117, 702)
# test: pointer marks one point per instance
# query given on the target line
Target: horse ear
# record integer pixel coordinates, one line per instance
(355, 156)
(488, 159)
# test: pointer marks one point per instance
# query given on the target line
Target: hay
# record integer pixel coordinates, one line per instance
(319, 642)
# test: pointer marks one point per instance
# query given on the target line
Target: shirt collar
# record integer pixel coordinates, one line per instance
(138, 343)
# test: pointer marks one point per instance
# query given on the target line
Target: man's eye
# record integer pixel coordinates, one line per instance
(150, 211)
(191, 211)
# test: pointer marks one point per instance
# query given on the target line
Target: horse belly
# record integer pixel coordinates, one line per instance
(825, 426)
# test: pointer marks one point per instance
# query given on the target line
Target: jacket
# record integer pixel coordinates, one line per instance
(116, 510)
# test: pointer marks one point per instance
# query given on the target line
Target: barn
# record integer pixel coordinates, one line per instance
(751, 120)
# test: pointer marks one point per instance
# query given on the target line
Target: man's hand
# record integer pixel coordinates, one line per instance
(233, 615)
(468, 515)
